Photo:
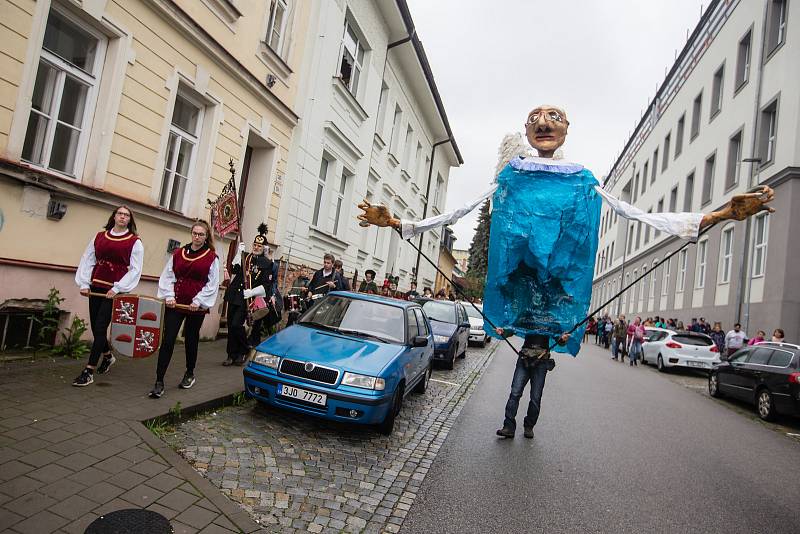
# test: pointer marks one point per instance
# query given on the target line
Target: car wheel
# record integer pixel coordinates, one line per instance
(422, 385)
(764, 405)
(660, 364)
(713, 385)
(451, 361)
(483, 343)
(387, 426)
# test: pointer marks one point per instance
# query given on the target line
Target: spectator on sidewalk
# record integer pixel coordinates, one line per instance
(778, 336)
(368, 285)
(338, 266)
(412, 293)
(591, 328)
(608, 328)
(695, 326)
(679, 326)
(760, 336)
(618, 342)
(637, 338)
(735, 339)
(718, 336)
(427, 293)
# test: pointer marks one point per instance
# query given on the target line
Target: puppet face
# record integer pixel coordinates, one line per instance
(546, 129)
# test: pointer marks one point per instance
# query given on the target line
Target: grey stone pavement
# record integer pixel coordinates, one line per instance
(297, 473)
(69, 455)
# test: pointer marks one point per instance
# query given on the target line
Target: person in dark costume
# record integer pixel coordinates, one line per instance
(368, 285)
(325, 280)
(275, 304)
(111, 264)
(189, 284)
(338, 266)
(252, 277)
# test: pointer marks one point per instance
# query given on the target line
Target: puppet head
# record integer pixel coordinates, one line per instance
(546, 129)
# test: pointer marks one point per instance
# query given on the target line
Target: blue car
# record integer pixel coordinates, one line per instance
(450, 325)
(352, 357)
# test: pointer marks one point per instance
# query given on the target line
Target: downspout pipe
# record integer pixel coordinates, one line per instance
(427, 198)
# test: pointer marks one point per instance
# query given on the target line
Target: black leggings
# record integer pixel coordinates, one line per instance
(237, 345)
(191, 336)
(100, 309)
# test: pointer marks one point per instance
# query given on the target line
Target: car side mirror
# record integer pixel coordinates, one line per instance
(465, 325)
(419, 341)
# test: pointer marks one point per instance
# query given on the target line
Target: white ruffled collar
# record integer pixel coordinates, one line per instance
(533, 163)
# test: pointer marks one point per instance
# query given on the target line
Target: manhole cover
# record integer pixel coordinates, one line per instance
(130, 521)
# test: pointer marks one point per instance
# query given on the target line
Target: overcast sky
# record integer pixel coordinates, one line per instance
(495, 61)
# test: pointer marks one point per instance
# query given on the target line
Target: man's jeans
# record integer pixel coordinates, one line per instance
(522, 374)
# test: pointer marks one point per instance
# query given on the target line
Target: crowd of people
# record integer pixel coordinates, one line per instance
(625, 338)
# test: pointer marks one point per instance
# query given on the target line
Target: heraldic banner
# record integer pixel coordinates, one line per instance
(136, 325)
(225, 210)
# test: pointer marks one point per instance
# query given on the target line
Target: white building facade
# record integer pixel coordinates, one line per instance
(725, 119)
(373, 126)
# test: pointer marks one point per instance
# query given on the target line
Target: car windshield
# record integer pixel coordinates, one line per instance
(444, 312)
(381, 322)
(688, 339)
(472, 312)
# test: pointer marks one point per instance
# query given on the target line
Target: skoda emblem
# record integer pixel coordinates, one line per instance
(309, 367)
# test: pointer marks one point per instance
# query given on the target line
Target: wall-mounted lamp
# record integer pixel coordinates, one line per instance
(173, 245)
(271, 80)
(56, 209)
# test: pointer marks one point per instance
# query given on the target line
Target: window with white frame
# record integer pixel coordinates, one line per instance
(743, 60)
(697, 108)
(184, 136)
(632, 303)
(726, 255)
(679, 135)
(383, 102)
(655, 166)
(702, 257)
(682, 258)
(643, 287)
(352, 62)
(437, 195)
(768, 129)
(652, 293)
(665, 278)
(708, 179)
(64, 94)
(760, 244)
(734, 157)
(625, 298)
(407, 147)
(665, 159)
(321, 179)
(339, 194)
(716, 91)
(276, 28)
(776, 24)
(394, 142)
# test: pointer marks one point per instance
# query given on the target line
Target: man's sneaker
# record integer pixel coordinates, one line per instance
(228, 362)
(157, 390)
(187, 382)
(84, 379)
(107, 362)
(506, 432)
(529, 432)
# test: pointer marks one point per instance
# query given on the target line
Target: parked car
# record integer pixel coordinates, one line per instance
(450, 326)
(766, 374)
(351, 357)
(667, 348)
(476, 333)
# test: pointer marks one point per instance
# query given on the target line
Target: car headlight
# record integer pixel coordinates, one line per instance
(267, 360)
(441, 339)
(363, 381)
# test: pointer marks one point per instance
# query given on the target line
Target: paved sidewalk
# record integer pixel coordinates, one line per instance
(69, 455)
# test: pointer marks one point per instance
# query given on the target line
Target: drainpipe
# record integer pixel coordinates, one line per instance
(743, 288)
(427, 201)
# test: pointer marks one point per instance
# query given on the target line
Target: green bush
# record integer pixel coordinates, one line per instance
(71, 345)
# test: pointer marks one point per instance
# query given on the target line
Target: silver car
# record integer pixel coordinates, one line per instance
(476, 333)
(667, 348)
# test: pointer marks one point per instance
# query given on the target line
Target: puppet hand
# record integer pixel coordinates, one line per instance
(563, 339)
(499, 331)
(743, 206)
(377, 215)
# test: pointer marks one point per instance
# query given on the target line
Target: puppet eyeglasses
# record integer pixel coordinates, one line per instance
(550, 115)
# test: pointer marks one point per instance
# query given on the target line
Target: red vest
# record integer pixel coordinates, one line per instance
(113, 255)
(191, 272)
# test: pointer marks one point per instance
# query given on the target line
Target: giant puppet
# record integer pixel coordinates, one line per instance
(544, 233)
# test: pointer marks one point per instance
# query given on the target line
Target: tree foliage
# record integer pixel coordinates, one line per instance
(479, 252)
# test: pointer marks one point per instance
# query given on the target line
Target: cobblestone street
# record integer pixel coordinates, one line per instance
(296, 473)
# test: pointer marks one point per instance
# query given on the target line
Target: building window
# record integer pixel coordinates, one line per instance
(665, 159)
(655, 166)
(681, 271)
(697, 109)
(687, 195)
(437, 194)
(277, 25)
(760, 245)
(665, 280)
(394, 142)
(647, 168)
(340, 191)
(644, 184)
(726, 255)
(679, 135)
(652, 294)
(708, 179)
(638, 235)
(734, 157)
(673, 199)
(767, 130)
(743, 60)
(630, 237)
(184, 135)
(776, 24)
(380, 124)
(635, 187)
(63, 95)
(716, 91)
(702, 256)
(660, 210)
(407, 148)
(647, 229)
(321, 178)
(352, 61)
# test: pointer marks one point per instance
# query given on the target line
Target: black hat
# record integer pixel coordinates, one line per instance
(261, 237)
(370, 271)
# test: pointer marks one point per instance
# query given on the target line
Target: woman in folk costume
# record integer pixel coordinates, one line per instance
(189, 284)
(111, 264)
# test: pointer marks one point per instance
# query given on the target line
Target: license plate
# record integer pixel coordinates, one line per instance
(302, 394)
(695, 364)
